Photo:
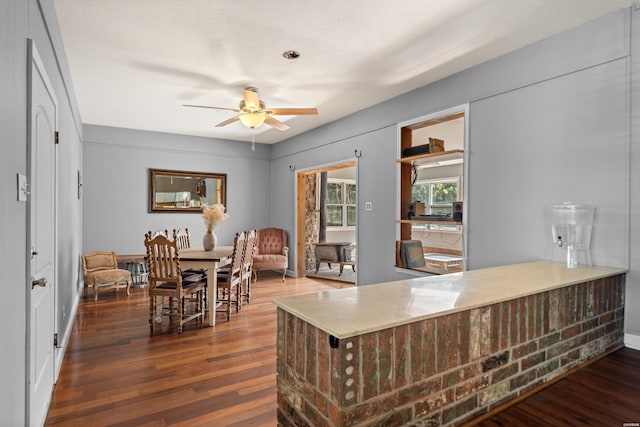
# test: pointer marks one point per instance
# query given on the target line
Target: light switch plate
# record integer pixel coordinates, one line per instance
(368, 206)
(22, 188)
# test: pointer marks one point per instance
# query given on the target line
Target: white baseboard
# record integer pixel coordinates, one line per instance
(64, 339)
(632, 341)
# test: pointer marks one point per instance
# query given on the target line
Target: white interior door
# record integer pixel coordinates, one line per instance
(42, 174)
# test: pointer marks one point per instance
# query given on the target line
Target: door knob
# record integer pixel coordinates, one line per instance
(40, 282)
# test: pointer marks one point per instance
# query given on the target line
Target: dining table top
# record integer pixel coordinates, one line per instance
(198, 253)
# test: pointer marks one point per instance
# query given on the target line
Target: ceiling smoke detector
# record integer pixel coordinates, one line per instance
(291, 54)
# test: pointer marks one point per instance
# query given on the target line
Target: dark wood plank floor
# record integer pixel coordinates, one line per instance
(114, 373)
(604, 393)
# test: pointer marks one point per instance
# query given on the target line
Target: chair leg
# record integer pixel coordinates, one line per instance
(152, 312)
(128, 288)
(95, 292)
(180, 305)
(247, 291)
(284, 273)
(159, 302)
(171, 313)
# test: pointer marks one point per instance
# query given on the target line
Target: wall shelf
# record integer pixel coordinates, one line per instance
(430, 158)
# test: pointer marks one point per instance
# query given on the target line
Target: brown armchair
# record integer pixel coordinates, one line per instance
(272, 251)
(101, 268)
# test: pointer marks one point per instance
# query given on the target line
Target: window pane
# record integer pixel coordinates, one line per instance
(334, 193)
(444, 193)
(420, 192)
(351, 194)
(334, 216)
(351, 216)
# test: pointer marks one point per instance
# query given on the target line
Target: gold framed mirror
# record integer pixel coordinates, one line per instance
(182, 191)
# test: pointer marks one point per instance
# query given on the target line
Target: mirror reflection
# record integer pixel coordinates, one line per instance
(181, 191)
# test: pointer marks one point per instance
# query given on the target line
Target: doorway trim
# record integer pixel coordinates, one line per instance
(300, 190)
(404, 138)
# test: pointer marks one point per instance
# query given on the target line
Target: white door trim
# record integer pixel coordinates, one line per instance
(36, 67)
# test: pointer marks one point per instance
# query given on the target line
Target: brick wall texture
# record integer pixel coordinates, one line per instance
(445, 370)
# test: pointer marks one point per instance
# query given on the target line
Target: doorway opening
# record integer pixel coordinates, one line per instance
(432, 191)
(326, 218)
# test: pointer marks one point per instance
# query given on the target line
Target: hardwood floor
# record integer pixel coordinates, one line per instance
(604, 393)
(114, 373)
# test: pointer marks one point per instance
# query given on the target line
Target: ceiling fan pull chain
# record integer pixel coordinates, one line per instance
(253, 139)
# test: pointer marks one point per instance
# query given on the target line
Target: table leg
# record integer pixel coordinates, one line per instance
(212, 292)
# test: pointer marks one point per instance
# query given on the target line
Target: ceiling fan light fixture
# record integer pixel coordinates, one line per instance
(253, 120)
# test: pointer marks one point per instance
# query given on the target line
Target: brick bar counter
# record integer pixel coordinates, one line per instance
(441, 350)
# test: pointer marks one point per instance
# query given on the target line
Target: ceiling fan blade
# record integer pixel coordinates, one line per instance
(275, 123)
(228, 121)
(292, 111)
(251, 98)
(213, 108)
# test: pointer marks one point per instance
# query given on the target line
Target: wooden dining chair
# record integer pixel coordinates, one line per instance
(182, 238)
(183, 241)
(247, 265)
(159, 232)
(166, 282)
(230, 279)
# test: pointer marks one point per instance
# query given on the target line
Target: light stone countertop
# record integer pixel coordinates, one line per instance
(348, 312)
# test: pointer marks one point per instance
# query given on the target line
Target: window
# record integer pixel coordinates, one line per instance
(438, 196)
(341, 203)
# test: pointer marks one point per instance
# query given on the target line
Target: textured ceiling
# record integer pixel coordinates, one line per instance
(135, 62)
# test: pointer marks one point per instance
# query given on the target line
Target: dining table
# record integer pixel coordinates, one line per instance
(197, 257)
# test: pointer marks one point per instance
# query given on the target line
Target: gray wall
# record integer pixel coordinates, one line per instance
(549, 122)
(116, 185)
(375, 228)
(13, 105)
(563, 139)
(19, 20)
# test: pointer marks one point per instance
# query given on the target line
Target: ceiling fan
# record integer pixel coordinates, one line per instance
(253, 113)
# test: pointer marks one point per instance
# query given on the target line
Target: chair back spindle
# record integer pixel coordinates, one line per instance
(162, 255)
(247, 264)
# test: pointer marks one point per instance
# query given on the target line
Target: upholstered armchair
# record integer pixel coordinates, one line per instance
(272, 251)
(101, 269)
